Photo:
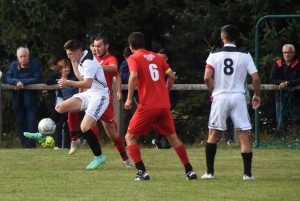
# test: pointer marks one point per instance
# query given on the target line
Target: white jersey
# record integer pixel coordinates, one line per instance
(230, 66)
(89, 67)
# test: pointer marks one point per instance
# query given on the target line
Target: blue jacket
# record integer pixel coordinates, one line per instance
(28, 75)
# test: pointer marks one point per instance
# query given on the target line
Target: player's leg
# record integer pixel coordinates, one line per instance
(240, 119)
(93, 142)
(97, 104)
(217, 122)
(139, 125)
(72, 104)
(110, 127)
(246, 153)
(164, 124)
(210, 153)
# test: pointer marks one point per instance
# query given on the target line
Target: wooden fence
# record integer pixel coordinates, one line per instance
(117, 106)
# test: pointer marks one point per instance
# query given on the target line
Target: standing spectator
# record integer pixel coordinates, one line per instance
(62, 135)
(230, 66)
(173, 101)
(94, 101)
(147, 72)
(126, 115)
(23, 72)
(109, 64)
(286, 74)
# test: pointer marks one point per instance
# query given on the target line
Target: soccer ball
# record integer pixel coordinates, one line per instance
(47, 126)
(49, 142)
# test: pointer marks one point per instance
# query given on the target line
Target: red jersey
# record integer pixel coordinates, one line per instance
(151, 83)
(108, 60)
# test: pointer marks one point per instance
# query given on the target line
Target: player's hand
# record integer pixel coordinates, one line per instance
(119, 96)
(128, 104)
(62, 82)
(255, 102)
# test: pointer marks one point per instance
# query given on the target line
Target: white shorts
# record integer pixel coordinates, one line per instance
(229, 104)
(94, 104)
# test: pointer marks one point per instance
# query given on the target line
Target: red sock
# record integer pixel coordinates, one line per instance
(181, 153)
(95, 130)
(135, 153)
(119, 144)
(73, 120)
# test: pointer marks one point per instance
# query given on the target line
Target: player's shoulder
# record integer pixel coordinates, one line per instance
(229, 49)
(88, 57)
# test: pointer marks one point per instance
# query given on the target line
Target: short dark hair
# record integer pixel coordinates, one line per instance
(92, 38)
(73, 45)
(127, 52)
(136, 40)
(163, 51)
(103, 38)
(231, 32)
(53, 60)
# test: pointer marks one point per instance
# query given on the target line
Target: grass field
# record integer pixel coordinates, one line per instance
(44, 174)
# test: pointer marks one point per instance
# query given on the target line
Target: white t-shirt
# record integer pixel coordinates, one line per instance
(89, 67)
(230, 66)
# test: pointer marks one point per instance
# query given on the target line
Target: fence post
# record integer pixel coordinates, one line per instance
(116, 104)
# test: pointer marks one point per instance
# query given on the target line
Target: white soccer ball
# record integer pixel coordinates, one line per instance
(47, 126)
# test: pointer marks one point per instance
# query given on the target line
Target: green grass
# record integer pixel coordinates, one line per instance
(44, 174)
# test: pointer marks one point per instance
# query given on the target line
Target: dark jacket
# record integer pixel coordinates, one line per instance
(66, 92)
(29, 75)
(124, 74)
(281, 72)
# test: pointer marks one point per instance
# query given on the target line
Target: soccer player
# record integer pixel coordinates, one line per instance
(109, 64)
(147, 72)
(94, 101)
(229, 66)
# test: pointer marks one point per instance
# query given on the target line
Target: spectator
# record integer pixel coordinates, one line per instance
(62, 135)
(286, 74)
(109, 64)
(173, 101)
(126, 115)
(23, 72)
(229, 67)
(147, 72)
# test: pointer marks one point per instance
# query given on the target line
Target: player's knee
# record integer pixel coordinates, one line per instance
(84, 128)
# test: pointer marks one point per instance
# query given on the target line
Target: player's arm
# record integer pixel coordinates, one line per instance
(85, 83)
(110, 68)
(208, 79)
(76, 72)
(119, 86)
(171, 78)
(131, 87)
(256, 87)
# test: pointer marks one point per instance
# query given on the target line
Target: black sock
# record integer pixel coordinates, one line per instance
(55, 116)
(247, 159)
(140, 166)
(124, 154)
(73, 133)
(93, 142)
(210, 150)
(188, 167)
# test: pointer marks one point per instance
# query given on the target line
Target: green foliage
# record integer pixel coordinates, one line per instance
(189, 29)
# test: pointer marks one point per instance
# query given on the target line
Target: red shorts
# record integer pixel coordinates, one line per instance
(108, 115)
(161, 119)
